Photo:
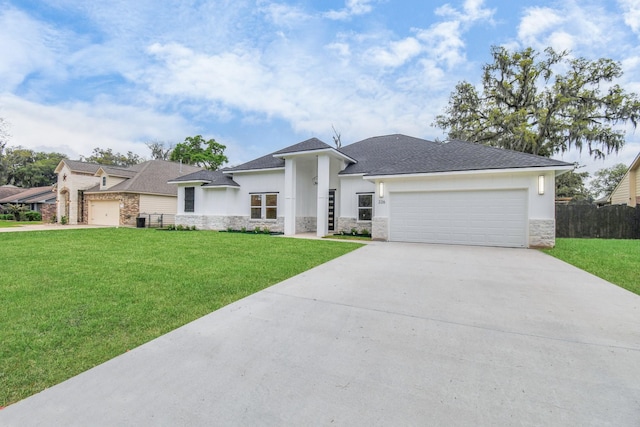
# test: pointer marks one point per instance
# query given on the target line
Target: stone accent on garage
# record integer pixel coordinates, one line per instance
(542, 233)
(346, 224)
(380, 229)
(129, 206)
(212, 222)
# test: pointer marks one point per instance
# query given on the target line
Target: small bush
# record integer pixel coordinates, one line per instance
(364, 232)
(243, 229)
(266, 230)
(180, 227)
(33, 216)
(193, 228)
(63, 220)
(354, 231)
(256, 230)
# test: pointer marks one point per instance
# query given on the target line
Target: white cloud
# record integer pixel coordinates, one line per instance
(631, 13)
(352, 8)
(284, 15)
(76, 128)
(396, 54)
(27, 46)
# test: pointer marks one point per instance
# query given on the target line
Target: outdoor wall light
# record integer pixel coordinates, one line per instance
(541, 184)
(381, 190)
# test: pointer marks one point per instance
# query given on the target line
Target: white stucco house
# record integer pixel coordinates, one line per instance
(397, 187)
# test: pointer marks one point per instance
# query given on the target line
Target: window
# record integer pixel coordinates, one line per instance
(104, 181)
(365, 207)
(264, 206)
(189, 199)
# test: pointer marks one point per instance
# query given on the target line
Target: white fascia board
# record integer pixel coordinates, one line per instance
(344, 175)
(332, 151)
(253, 170)
(562, 169)
(196, 181)
(208, 187)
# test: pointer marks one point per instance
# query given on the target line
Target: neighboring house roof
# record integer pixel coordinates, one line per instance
(401, 154)
(9, 190)
(119, 172)
(208, 178)
(78, 166)
(149, 177)
(31, 195)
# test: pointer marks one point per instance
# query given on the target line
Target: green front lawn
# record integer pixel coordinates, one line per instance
(7, 224)
(75, 298)
(617, 261)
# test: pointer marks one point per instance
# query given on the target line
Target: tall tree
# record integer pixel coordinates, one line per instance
(543, 105)
(26, 168)
(108, 157)
(160, 150)
(196, 151)
(572, 184)
(605, 180)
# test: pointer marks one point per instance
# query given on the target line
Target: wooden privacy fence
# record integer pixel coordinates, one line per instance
(607, 222)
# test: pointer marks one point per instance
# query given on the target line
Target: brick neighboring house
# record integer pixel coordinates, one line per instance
(90, 193)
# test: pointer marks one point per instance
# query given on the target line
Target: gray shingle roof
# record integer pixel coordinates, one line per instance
(27, 194)
(211, 178)
(152, 177)
(78, 166)
(271, 162)
(401, 154)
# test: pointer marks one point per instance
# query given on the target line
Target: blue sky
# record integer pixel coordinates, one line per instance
(260, 75)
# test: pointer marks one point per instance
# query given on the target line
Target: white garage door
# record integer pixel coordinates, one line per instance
(104, 212)
(488, 218)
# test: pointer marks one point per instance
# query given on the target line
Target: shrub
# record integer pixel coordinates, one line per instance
(193, 228)
(354, 231)
(265, 230)
(180, 227)
(364, 232)
(243, 229)
(256, 230)
(63, 220)
(33, 216)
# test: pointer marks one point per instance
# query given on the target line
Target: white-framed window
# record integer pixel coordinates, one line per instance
(365, 206)
(189, 199)
(104, 181)
(264, 206)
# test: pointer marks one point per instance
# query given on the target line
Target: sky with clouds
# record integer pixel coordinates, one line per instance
(259, 75)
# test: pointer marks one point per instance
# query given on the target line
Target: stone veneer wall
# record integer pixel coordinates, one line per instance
(306, 224)
(212, 222)
(346, 224)
(380, 229)
(48, 212)
(542, 233)
(130, 206)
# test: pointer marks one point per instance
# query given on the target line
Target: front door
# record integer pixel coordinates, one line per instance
(332, 210)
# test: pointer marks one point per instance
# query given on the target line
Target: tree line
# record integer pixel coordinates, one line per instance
(26, 168)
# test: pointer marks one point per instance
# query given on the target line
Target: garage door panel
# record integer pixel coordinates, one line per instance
(104, 212)
(493, 218)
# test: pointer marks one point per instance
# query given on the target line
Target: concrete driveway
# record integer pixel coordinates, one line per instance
(391, 334)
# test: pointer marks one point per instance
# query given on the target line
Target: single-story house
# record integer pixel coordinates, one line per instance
(396, 187)
(89, 193)
(38, 199)
(628, 189)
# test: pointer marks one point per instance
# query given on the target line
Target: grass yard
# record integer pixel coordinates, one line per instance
(73, 299)
(617, 261)
(7, 224)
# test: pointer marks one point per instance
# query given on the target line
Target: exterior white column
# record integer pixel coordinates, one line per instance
(290, 197)
(322, 216)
